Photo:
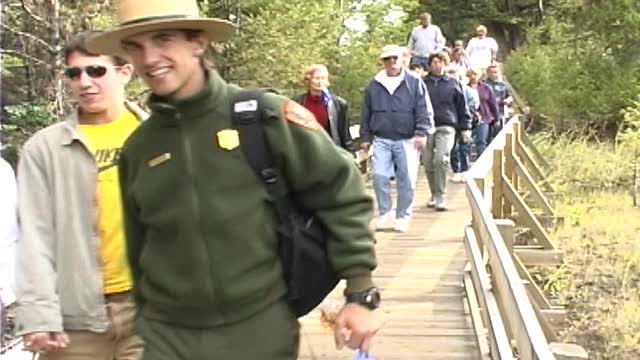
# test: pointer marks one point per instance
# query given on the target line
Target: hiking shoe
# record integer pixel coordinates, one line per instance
(384, 221)
(401, 225)
(441, 203)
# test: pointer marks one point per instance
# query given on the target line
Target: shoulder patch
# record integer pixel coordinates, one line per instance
(299, 115)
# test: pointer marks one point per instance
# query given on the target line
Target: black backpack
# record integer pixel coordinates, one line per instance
(302, 249)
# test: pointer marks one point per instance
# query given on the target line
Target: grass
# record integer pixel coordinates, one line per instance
(600, 280)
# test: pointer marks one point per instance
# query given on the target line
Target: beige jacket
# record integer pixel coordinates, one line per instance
(58, 276)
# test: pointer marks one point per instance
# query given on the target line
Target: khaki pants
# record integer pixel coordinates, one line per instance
(118, 343)
(271, 334)
(436, 158)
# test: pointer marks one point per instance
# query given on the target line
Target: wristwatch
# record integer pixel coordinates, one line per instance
(368, 298)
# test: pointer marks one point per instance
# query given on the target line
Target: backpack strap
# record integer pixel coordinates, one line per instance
(247, 118)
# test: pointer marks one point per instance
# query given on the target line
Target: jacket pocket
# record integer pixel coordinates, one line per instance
(404, 123)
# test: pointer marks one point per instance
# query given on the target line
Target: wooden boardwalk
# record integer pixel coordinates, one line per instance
(420, 275)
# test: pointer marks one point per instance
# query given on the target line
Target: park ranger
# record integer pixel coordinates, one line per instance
(200, 228)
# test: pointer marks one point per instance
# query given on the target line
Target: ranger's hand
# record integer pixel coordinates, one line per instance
(41, 342)
(355, 327)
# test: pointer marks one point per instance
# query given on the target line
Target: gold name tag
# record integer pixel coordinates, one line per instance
(159, 160)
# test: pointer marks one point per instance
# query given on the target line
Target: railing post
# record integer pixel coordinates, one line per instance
(509, 171)
(497, 192)
(507, 229)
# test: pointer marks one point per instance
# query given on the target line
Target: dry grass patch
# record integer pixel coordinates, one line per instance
(600, 281)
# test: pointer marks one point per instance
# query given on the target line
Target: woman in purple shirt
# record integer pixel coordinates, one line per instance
(489, 115)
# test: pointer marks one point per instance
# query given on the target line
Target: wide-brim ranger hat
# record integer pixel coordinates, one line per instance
(138, 16)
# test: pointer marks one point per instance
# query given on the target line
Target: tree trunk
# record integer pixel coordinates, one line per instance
(56, 41)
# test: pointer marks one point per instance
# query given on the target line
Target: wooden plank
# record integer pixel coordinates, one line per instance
(528, 145)
(527, 216)
(476, 315)
(564, 351)
(498, 339)
(557, 317)
(528, 335)
(539, 257)
(531, 151)
(549, 331)
(507, 229)
(550, 223)
(535, 293)
(538, 175)
(535, 191)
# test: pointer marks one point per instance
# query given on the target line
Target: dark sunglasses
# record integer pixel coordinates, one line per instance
(94, 71)
(390, 58)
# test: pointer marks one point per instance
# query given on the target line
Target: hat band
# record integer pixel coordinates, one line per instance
(153, 18)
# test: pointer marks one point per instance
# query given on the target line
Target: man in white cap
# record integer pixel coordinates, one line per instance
(73, 284)
(396, 119)
(201, 234)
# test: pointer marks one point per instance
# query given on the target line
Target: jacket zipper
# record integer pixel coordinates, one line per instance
(194, 200)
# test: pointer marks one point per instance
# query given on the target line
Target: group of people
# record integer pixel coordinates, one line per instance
(424, 104)
(149, 236)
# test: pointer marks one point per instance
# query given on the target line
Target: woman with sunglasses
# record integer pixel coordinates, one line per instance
(73, 283)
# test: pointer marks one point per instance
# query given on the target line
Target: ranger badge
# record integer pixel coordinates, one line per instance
(228, 139)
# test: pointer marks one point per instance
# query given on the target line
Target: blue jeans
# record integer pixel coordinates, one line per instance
(402, 155)
(460, 156)
(424, 61)
(481, 137)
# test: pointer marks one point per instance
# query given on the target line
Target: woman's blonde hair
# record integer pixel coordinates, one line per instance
(473, 71)
(310, 70)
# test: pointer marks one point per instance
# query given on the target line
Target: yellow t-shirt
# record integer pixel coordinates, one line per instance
(105, 142)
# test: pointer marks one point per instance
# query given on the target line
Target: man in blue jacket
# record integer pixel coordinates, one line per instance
(396, 119)
(451, 116)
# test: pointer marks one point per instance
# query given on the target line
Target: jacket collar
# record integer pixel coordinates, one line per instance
(71, 123)
(207, 100)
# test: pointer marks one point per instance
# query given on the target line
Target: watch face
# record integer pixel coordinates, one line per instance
(372, 298)
(369, 298)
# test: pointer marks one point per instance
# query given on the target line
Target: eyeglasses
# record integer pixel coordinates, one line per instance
(389, 58)
(94, 71)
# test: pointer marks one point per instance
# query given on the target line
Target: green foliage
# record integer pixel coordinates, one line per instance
(21, 122)
(459, 18)
(629, 134)
(273, 46)
(580, 70)
(278, 39)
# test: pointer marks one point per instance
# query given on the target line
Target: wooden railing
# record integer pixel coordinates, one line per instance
(511, 215)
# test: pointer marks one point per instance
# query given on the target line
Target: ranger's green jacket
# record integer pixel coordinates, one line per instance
(199, 224)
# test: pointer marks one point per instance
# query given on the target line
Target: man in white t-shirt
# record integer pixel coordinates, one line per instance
(8, 232)
(425, 40)
(481, 50)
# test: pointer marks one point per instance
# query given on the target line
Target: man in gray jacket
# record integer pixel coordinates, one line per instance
(73, 280)
(396, 119)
